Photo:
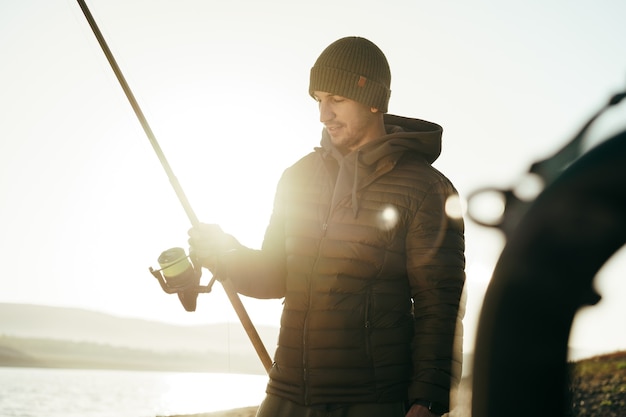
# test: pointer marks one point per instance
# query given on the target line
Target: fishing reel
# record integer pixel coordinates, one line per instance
(180, 274)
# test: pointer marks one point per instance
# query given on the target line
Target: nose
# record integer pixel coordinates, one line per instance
(326, 112)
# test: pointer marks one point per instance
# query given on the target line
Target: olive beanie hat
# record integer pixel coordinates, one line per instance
(354, 68)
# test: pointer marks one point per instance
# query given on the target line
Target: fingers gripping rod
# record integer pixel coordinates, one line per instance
(228, 287)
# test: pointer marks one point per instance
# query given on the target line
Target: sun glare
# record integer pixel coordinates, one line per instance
(189, 393)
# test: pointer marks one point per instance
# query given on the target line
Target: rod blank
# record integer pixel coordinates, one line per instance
(244, 318)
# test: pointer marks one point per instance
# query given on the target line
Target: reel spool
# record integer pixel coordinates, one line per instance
(179, 275)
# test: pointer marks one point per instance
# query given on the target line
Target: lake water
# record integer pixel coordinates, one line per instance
(35, 392)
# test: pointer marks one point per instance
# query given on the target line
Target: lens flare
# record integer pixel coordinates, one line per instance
(388, 218)
(454, 207)
(487, 207)
(529, 187)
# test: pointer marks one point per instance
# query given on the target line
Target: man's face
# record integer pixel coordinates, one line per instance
(350, 124)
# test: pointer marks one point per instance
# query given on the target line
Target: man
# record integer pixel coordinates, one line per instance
(359, 244)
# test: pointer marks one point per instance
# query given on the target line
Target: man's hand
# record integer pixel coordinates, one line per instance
(418, 410)
(207, 242)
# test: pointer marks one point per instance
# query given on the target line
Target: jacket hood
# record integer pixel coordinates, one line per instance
(414, 135)
(360, 167)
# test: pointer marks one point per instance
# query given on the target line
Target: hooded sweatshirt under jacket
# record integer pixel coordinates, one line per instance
(371, 269)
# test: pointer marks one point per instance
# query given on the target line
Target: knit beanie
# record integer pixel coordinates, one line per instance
(354, 68)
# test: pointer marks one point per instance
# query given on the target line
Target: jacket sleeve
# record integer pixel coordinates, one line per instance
(260, 273)
(435, 265)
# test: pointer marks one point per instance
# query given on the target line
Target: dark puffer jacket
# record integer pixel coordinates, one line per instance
(370, 270)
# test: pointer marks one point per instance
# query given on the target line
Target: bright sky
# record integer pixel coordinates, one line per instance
(86, 207)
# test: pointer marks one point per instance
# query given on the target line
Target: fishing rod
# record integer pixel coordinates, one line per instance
(177, 273)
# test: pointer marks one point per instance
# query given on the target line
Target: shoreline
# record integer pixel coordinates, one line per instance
(235, 412)
(461, 398)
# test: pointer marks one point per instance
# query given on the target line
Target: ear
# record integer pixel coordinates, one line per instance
(373, 109)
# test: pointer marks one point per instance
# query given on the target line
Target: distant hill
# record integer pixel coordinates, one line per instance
(49, 353)
(34, 335)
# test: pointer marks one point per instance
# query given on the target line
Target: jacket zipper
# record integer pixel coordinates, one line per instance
(305, 331)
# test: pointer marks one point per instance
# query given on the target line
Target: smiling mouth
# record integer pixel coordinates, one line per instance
(333, 128)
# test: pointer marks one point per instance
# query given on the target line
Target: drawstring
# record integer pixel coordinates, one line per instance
(355, 200)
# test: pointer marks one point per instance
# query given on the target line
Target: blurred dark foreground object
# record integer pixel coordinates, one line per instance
(544, 275)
